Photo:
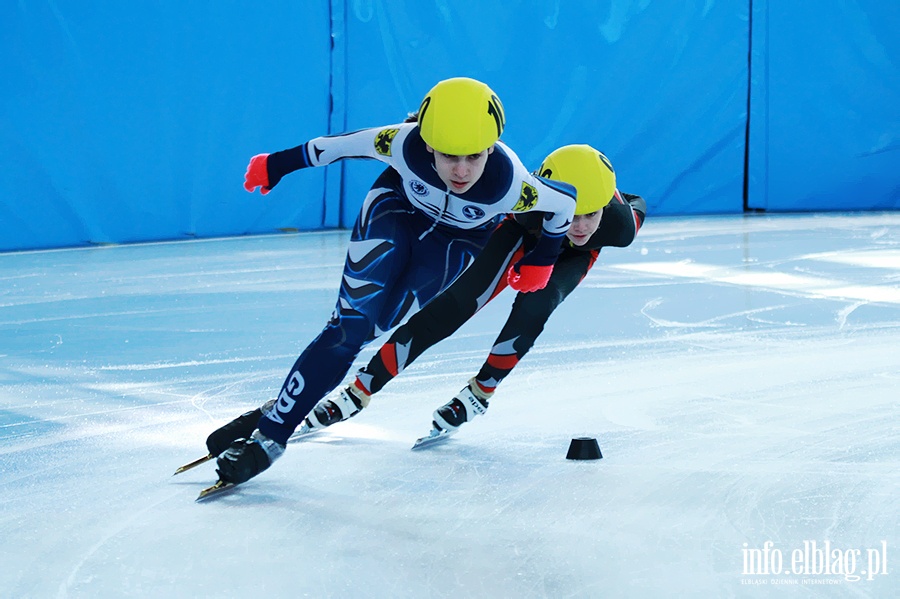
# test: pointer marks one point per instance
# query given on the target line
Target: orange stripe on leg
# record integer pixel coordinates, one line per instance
(389, 358)
(503, 362)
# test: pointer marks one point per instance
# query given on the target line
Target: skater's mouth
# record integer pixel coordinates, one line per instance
(578, 239)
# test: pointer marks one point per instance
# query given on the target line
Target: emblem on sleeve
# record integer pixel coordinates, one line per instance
(383, 141)
(527, 199)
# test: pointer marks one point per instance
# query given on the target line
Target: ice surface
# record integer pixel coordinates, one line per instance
(740, 373)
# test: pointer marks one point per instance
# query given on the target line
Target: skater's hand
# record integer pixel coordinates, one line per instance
(528, 277)
(257, 175)
(266, 170)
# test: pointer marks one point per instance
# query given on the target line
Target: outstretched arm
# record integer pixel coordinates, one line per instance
(266, 170)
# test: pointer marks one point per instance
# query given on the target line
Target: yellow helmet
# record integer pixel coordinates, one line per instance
(585, 168)
(461, 116)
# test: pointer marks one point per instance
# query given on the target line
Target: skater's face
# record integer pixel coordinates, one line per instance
(460, 173)
(583, 226)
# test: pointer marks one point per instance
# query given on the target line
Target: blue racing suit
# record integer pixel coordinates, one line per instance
(412, 238)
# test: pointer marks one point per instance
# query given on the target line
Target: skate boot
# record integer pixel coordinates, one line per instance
(245, 458)
(468, 403)
(346, 405)
(239, 428)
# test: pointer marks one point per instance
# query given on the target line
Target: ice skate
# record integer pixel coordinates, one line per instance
(245, 458)
(468, 403)
(471, 401)
(347, 404)
(239, 428)
(221, 438)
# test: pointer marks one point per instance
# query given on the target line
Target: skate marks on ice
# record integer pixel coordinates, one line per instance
(771, 419)
(117, 527)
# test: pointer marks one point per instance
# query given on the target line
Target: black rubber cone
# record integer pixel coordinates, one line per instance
(584, 448)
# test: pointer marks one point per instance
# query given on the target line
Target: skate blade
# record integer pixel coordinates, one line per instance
(194, 464)
(432, 438)
(214, 491)
(302, 432)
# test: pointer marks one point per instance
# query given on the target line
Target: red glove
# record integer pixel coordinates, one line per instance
(528, 277)
(257, 174)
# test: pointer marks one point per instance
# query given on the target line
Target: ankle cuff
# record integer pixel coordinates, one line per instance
(361, 398)
(479, 391)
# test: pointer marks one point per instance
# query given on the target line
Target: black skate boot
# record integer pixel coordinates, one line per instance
(468, 403)
(239, 428)
(245, 458)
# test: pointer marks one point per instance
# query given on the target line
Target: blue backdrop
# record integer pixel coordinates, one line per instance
(127, 122)
(825, 109)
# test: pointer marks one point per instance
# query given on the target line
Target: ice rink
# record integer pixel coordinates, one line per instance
(741, 374)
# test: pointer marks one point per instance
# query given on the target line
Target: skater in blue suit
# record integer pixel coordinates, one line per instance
(449, 181)
(604, 217)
